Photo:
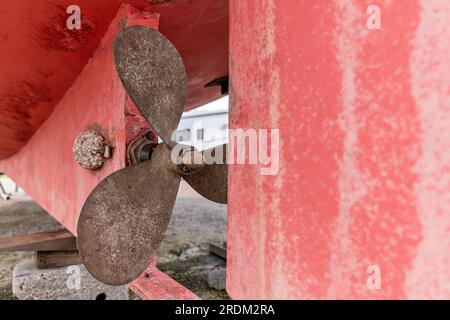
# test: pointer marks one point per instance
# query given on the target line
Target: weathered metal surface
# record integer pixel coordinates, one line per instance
(123, 220)
(363, 188)
(141, 148)
(45, 168)
(96, 100)
(41, 241)
(211, 179)
(124, 209)
(91, 150)
(191, 161)
(40, 58)
(199, 31)
(153, 75)
(123, 205)
(155, 285)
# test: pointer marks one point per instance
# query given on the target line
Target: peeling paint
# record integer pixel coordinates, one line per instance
(429, 277)
(36, 47)
(54, 34)
(352, 186)
(351, 139)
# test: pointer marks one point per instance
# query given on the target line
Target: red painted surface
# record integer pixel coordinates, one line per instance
(45, 167)
(40, 59)
(364, 150)
(159, 286)
(156, 285)
(364, 121)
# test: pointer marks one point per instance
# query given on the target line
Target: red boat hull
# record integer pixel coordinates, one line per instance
(40, 58)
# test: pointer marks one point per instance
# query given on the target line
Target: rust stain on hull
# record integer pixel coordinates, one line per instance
(35, 48)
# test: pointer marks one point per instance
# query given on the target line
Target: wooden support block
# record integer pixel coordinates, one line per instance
(42, 241)
(57, 259)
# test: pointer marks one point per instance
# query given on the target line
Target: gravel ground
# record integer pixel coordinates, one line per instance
(183, 255)
(19, 216)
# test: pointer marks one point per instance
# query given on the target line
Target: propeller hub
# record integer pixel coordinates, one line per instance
(123, 220)
(192, 161)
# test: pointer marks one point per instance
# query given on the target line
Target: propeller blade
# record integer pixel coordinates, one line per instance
(212, 180)
(153, 75)
(123, 221)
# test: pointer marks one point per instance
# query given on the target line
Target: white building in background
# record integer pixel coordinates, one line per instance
(206, 126)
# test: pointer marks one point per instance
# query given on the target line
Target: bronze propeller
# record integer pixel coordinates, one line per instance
(123, 221)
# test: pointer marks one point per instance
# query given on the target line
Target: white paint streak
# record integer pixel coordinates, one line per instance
(279, 275)
(429, 277)
(351, 186)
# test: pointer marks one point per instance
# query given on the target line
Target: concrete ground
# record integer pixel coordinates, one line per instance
(183, 255)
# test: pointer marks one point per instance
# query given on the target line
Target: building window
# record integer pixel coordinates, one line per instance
(183, 135)
(200, 134)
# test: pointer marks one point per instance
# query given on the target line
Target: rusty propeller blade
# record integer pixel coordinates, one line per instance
(123, 221)
(153, 74)
(211, 180)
